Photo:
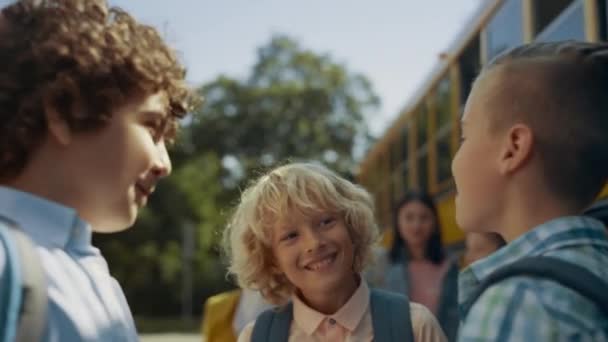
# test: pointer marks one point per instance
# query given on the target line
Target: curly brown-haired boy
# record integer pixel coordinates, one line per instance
(89, 98)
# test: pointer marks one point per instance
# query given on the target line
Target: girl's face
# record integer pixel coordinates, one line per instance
(416, 223)
(315, 253)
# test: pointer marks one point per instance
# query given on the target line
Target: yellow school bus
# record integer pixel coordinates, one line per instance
(416, 150)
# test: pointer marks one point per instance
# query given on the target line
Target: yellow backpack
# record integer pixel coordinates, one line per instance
(218, 316)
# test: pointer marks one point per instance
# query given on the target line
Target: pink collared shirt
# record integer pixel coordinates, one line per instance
(352, 323)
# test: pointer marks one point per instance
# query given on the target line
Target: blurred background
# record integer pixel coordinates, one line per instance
(373, 90)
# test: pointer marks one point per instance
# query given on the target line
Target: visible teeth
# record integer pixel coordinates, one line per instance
(320, 264)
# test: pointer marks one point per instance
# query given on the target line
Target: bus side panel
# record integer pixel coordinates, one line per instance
(450, 233)
(604, 193)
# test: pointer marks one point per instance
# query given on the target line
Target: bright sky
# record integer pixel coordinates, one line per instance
(393, 42)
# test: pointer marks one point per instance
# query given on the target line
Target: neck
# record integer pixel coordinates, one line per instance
(50, 183)
(416, 253)
(530, 212)
(330, 301)
(37, 184)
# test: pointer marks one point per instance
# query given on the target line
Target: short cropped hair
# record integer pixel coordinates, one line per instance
(298, 187)
(86, 60)
(560, 90)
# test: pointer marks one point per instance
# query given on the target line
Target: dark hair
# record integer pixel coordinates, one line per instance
(434, 248)
(559, 90)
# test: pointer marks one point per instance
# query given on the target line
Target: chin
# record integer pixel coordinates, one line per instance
(108, 229)
(118, 224)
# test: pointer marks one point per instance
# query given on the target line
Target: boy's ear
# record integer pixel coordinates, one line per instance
(517, 148)
(58, 127)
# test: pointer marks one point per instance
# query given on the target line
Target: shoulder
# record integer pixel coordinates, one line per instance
(506, 312)
(524, 308)
(245, 335)
(424, 324)
(3, 260)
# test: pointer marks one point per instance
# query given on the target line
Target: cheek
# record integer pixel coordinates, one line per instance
(460, 160)
(403, 229)
(428, 229)
(141, 149)
(286, 258)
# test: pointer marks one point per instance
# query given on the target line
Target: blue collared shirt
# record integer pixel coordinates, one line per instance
(85, 302)
(528, 309)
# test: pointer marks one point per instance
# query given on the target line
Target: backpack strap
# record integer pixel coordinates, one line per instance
(273, 325)
(565, 273)
(390, 317)
(27, 297)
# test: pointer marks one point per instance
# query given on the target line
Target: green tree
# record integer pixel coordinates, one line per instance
(295, 104)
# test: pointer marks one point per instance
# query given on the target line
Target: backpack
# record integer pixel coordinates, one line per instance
(23, 293)
(390, 320)
(564, 273)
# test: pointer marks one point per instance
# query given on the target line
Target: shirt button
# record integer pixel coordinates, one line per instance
(332, 321)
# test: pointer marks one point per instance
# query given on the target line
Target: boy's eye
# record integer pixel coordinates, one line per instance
(327, 222)
(155, 129)
(289, 236)
(152, 126)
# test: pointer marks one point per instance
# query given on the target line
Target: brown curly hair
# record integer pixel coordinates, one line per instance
(85, 60)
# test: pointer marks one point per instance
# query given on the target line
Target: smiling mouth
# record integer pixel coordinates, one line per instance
(144, 191)
(322, 264)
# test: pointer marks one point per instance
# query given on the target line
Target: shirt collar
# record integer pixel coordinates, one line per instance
(349, 315)
(48, 223)
(551, 235)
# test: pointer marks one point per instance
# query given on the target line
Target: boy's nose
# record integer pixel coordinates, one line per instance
(314, 241)
(162, 164)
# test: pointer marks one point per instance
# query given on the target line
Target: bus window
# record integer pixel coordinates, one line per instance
(397, 186)
(422, 153)
(396, 157)
(545, 12)
(405, 153)
(444, 114)
(423, 173)
(444, 155)
(406, 176)
(603, 16)
(395, 172)
(469, 64)
(405, 142)
(443, 134)
(570, 24)
(422, 121)
(505, 30)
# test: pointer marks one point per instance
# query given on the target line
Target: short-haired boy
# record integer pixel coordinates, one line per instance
(534, 155)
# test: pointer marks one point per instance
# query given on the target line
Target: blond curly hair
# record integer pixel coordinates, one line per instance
(85, 60)
(304, 188)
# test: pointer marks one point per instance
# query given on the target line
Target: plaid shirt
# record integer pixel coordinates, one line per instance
(528, 309)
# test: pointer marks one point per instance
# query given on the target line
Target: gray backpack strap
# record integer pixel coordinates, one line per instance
(273, 325)
(34, 306)
(565, 273)
(391, 317)
(397, 278)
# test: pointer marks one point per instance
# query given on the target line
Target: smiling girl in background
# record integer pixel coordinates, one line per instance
(301, 236)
